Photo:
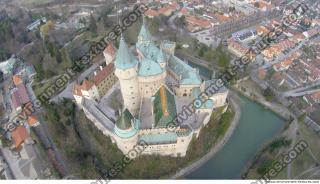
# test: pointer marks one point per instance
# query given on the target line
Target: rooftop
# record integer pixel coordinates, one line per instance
(165, 138)
(19, 135)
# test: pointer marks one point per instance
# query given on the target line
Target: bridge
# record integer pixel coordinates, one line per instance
(305, 90)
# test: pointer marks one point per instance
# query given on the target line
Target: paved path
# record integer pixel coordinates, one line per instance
(216, 147)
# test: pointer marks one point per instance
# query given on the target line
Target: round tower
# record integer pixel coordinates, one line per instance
(126, 131)
(126, 71)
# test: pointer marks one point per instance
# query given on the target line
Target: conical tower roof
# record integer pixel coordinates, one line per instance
(124, 122)
(149, 68)
(144, 35)
(124, 58)
(161, 57)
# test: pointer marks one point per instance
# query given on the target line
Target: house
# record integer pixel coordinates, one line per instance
(197, 23)
(93, 88)
(33, 121)
(19, 135)
(16, 80)
(19, 97)
(109, 53)
(236, 47)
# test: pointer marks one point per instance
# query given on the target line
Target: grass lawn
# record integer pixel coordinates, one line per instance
(311, 137)
(303, 162)
(39, 89)
(36, 2)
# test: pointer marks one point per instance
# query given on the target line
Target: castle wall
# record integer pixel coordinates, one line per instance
(151, 84)
(219, 99)
(185, 90)
(92, 93)
(106, 84)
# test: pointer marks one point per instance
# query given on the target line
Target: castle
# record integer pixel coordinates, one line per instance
(155, 85)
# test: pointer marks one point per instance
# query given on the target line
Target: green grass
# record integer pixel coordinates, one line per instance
(311, 137)
(36, 2)
(280, 146)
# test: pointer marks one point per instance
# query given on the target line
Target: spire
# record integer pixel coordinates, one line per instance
(124, 58)
(161, 57)
(144, 35)
(124, 122)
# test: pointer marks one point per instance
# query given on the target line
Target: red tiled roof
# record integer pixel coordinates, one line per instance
(20, 96)
(86, 85)
(316, 95)
(221, 17)
(237, 46)
(110, 49)
(262, 30)
(32, 120)
(184, 11)
(262, 73)
(77, 90)
(264, 5)
(19, 135)
(16, 80)
(198, 21)
(151, 13)
(101, 75)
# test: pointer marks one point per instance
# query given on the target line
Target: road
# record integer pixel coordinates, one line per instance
(302, 89)
(44, 136)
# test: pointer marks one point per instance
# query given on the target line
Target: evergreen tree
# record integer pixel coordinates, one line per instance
(93, 25)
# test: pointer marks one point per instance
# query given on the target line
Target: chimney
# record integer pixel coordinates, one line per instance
(101, 67)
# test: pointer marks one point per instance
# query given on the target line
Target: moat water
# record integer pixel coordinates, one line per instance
(256, 126)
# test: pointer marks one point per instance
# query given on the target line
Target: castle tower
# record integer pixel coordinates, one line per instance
(126, 129)
(126, 71)
(161, 59)
(144, 39)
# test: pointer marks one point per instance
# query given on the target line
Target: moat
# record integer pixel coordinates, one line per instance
(257, 125)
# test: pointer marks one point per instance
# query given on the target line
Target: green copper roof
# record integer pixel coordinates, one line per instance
(125, 134)
(149, 68)
(208, 104)
(145, 43)
(124, 59)
(196, 92)
(124, 122)
(161, 57)
(160, 119)
(188, 75)
(167, 138)
(144, 35)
